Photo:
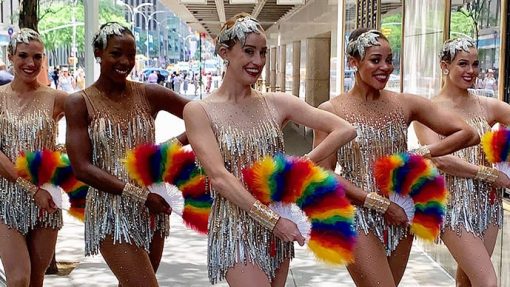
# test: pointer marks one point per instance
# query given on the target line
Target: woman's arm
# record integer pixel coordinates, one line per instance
(457, 133)
(79, 149)
(163, 99)
(203, 141)
(338, 131)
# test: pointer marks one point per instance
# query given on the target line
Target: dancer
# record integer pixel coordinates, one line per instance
(474, 213)
(249, 244)
(105, 120)
(29, 219)
(382, 119)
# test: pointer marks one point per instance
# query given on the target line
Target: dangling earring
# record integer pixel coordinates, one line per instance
(226, 62)
(98, 60)
(355, 69)
(446, 72)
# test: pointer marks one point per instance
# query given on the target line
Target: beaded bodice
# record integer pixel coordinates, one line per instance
(245, 131)
(381, 130)
(29, 126)
(118, 126)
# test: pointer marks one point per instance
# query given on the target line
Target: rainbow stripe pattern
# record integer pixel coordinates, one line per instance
(46, 166)
(173, 164)
(317, 193)
(496, 145)
(412, 175)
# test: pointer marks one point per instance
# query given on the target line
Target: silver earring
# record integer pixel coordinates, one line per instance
(98, 60)
(355, 69)
(226, 62)
(446, 72)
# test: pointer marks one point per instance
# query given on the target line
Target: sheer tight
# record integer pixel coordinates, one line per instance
(250, 275)
(132, 265)
(473, 256)
(372, 267)
(25, 259)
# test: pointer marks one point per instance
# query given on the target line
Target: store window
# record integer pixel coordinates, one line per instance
(350, 25)
(391, 27)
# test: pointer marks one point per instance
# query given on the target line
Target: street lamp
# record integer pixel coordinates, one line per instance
(148, 18)
(134, 10)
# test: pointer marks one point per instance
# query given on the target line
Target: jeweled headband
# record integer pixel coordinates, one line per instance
(24, 35)
(108, 30)
(242, 27)
(452, 46)
(363, 42)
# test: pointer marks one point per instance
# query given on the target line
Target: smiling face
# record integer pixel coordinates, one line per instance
(118, 58)
(246, 62)
(464, 69)
(27, 60)
(376, 67)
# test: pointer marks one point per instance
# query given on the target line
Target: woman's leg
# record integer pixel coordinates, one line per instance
(473, 257)
(156, 250)
(15, 256)
(399, 257)
(41, 247)
(370, 266)
(281, 274)
(249, 275)
(129, 263)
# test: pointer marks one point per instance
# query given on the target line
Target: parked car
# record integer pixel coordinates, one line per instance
(147, 71)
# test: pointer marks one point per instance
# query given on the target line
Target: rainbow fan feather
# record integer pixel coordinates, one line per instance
(151, 164)
(293, 180)
(496, 145)
(411, 175)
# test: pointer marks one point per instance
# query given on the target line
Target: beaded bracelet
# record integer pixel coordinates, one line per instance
(135, 192)
(27, 185)
(487, 174)
(264, 215)
(173, 140)
(423, 150)
(376, 202)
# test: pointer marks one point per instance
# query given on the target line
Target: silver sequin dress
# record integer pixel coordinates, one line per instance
(114, 128)
(30, 127)
(245, 132)
(473, 204)
(382, 130)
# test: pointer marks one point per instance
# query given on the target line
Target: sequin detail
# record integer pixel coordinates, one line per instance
(29, 127)
(245, 132)
(473, 204)
(116, 127)
(380, 132)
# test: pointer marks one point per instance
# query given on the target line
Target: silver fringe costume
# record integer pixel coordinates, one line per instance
(244, 132)
(114, 128)
(30, 128)
(473, 204)
(380, 133)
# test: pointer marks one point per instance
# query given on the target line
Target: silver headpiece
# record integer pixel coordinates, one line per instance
(242, 27)
(363, 42)
(452, 46)
(24, 35)
(108, 30)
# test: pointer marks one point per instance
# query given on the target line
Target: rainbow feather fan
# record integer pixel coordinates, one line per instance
(153, 165)
(496, 146)
(412, 176)
(317, 193)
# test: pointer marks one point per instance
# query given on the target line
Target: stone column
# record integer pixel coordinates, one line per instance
(267, 73)
(296, 67)
(272, 76)
(91, 26)
(317, 70)
(281, 65)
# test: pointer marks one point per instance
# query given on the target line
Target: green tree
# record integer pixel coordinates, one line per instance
(461, 25)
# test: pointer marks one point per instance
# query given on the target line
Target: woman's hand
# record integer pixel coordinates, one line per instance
(502, 180)
(157, 204)
(44, 201)
(287, 231)
(395, 215)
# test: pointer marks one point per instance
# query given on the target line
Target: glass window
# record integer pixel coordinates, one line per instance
(288, 69)
(391, 27)
(350, 25)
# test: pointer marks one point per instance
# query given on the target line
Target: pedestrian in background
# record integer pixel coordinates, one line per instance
(5, 77)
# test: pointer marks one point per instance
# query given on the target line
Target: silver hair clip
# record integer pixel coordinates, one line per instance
(110, 29)
(24, 35)
(239, 30)
(363, 42)
(451, 47)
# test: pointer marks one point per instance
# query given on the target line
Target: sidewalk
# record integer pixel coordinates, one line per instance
(184, 264)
